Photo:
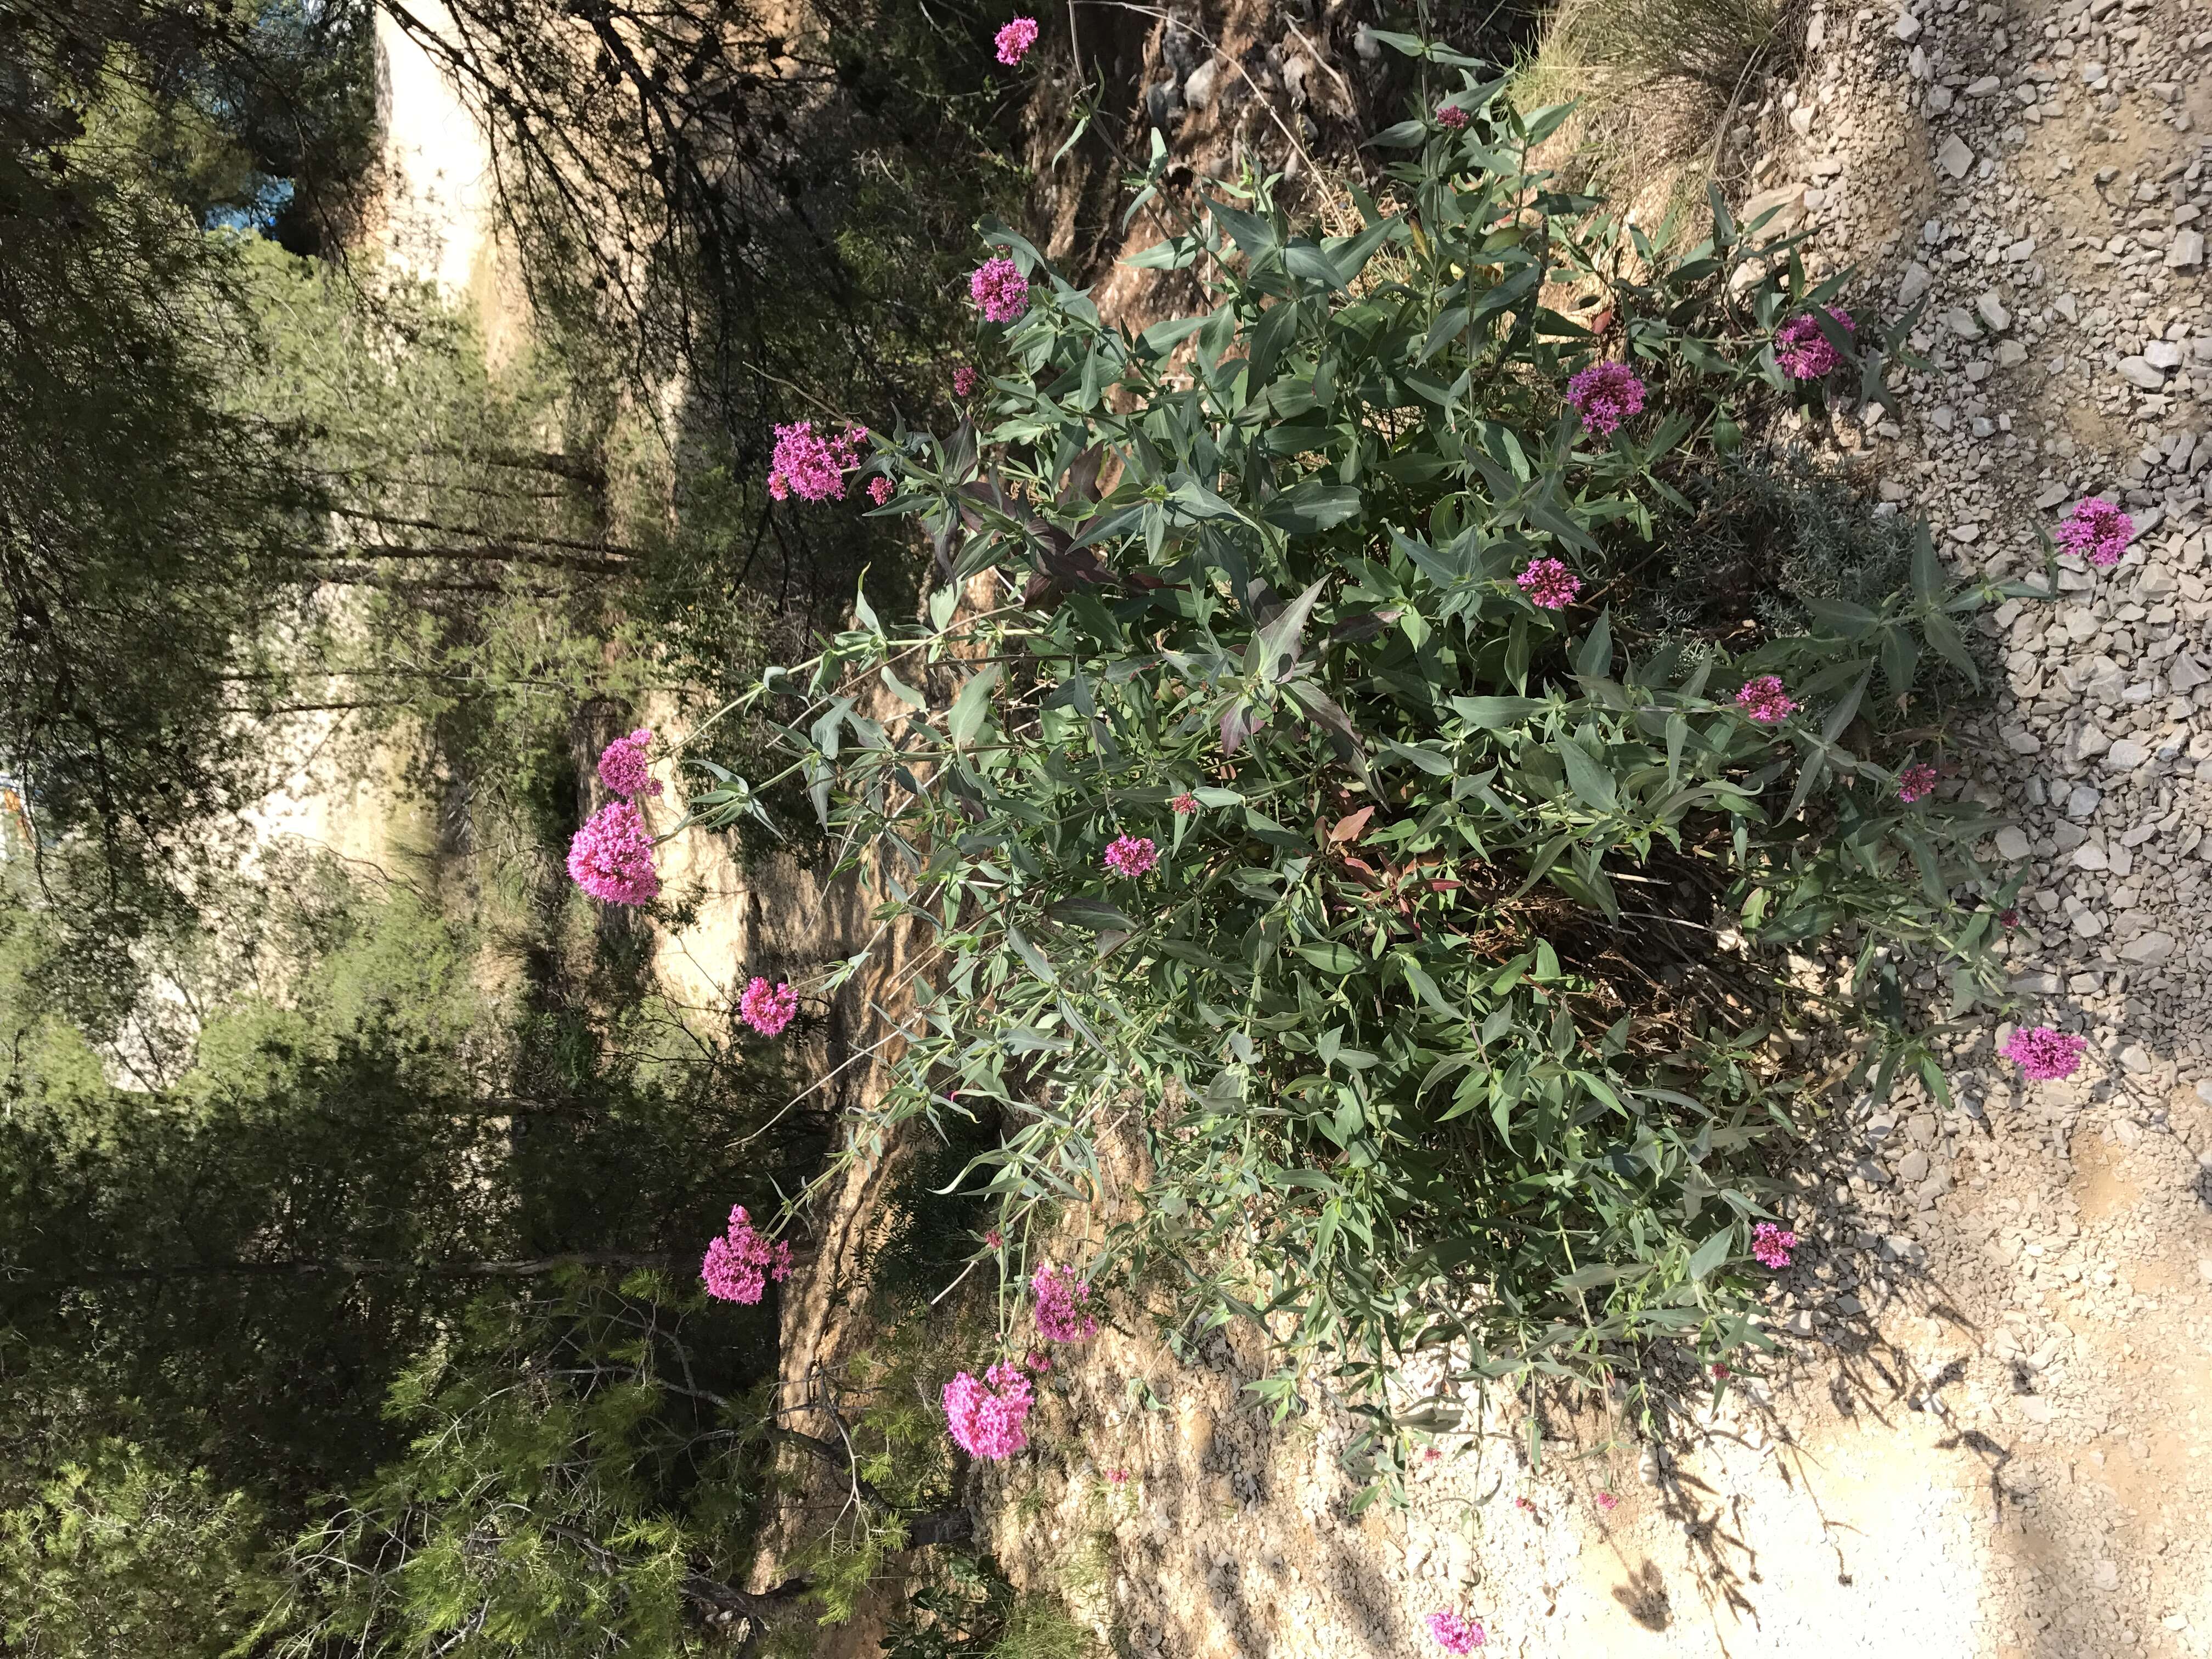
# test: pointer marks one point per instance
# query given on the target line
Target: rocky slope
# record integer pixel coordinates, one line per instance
(1992, 1431)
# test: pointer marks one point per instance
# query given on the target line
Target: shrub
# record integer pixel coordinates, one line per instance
(1415, 993)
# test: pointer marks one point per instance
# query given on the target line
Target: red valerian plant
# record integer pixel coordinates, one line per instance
(1388, 1019)
(1014, 40)
(740, 1263)
(986, 1417)
(1805, 351)
(767, 1008)
(623, 768)
(611, 857)
(2044, 1054)
(2098, 530)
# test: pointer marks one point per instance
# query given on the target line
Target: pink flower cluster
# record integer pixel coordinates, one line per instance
(2097, 530)
(1000, 291)
(611, 857)
(812, 464)
(1549, 584)
(1452, 116)
(1015, 39)
(879, 490)
(965, 379)
(622, 766)
(1062, 1305)
(1763, 701)
(1772, 1244)
(739, 1264)
(1185, 805)
(767, 1008)
(1454, 1634)
(1915, 783)
(1607, 394)
(1608, 1502)
(1806, 353)
(1131, 856)
(986, 1418)
(2044, 1054)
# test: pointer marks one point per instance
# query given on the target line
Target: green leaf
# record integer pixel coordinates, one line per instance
(1590, 779)
(1310, 507)
(1250, 232)
(1943, 634)
(899, 688)
(1095, 915)
(1926, 568)
(1412, 45)
(1406, 135)
(1030, 956)
(972, 707)
(1333, 958)
(1426, 759)
(1594, 658)
(1851, 621)
(1711, 1253)
(1847, 706)
(1425, 987)
(1168, 253)
(1281, 641)
(1163, 337)
(1277, 328)
(1495, 713)
(1899, 656)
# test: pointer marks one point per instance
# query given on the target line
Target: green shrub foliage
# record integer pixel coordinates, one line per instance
(1440, 1016)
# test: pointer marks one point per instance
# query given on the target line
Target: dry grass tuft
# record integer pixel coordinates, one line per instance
(1654, 79)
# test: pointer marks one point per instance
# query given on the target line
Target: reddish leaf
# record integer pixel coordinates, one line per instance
(1351, 827)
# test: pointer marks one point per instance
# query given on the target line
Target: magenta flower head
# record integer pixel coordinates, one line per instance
(1015, 39)
(1763, 701)
(879, 490)
(1549, 584)
(811, 464)
(622, 766)
(1915, 783)
(1608, 1502)
(2097, 530)
(1454, 1634)
(1000, 291)
(611, 857)
(767, 1008)
(1607, 394)
(986, 1418)
(739, 1264)
(1772, 1244)
(1804, 352)
(2044, 1054)
(1185, 805)
(1131, 856)
(965, 379)
(1451, 115)
(1062, 1306)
